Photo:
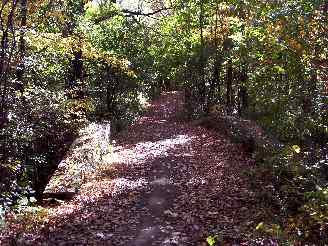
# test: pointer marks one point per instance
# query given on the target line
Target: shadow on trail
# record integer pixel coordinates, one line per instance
(174, 188)
(135, 212)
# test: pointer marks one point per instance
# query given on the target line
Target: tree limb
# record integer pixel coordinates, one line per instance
(130, 13)
(139, 13)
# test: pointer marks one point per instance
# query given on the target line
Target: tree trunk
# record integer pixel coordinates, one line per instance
(76, 76)
(215, 82)
(201, 86)
(6, 48)
(242, 93)
(229, 88)
(20, 68)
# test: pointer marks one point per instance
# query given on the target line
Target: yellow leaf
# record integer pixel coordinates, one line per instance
(296, 148)
(259, 226)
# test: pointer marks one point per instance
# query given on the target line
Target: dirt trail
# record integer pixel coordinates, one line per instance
(172, 183)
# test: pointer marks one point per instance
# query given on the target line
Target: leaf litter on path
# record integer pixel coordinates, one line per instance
(171, 183)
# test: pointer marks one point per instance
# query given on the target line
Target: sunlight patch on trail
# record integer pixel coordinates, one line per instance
(147, 150)
(122, 185)
(162, 181)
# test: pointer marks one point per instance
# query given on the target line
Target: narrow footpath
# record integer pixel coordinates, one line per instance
(168, 182)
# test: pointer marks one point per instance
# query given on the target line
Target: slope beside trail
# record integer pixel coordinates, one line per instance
(169, 183)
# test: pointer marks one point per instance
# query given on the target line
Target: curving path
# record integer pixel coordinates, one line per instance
(168, 183)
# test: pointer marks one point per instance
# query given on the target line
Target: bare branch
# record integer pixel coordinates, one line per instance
(130, 13)
(139, 13)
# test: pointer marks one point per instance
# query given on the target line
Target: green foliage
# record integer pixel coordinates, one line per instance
(44, 112)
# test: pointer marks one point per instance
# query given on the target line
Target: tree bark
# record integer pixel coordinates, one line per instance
(20, 68)
(76, 76)
(201, 86)
(6, 53)
(242, 93)
(215, 82)
(229, 88)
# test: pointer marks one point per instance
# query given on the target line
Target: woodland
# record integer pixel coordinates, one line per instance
(172, 122)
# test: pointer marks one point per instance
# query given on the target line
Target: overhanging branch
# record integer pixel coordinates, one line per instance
(131, 13)
(139, 13)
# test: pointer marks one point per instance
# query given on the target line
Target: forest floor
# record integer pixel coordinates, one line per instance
(170, 182)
